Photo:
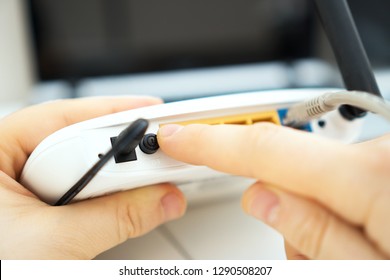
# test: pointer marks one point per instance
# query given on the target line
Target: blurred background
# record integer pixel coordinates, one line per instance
(179, 49)
(176, 49)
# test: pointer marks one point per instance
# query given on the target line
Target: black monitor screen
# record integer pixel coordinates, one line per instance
(75, 39)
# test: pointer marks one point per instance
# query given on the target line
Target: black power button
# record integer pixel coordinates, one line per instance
(149, 144)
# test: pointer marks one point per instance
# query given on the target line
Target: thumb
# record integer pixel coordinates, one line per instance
(306, 225)
(96, 225)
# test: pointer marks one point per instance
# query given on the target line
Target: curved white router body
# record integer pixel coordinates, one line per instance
(61, 159)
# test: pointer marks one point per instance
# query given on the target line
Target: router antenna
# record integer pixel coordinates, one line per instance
(349, 51)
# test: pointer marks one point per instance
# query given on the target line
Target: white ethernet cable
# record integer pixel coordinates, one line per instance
(302, 113)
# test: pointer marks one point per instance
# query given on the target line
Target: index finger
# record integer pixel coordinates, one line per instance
(299, 162)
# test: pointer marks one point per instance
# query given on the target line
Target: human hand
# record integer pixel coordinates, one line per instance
(329, 200)
(31, 229)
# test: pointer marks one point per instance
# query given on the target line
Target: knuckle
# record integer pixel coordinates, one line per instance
(311, 231)
(378, 211)
(129, 222)
(265, 129)
(258, 137)
(263, 135)
(378, 164)
(375, 159)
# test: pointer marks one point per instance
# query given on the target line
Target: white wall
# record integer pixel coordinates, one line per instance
(16, 75)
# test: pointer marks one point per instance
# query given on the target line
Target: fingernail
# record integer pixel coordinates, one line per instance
(173, 206)
(265, 206)
(169, 129)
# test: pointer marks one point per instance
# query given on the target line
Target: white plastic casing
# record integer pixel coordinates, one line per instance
(61, 159)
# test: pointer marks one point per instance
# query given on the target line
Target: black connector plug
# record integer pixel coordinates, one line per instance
(127, 152)
(125, 155)
(149, 144)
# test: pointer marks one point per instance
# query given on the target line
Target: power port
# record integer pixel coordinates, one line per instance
(149, 144)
